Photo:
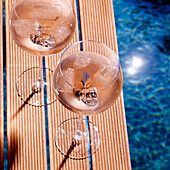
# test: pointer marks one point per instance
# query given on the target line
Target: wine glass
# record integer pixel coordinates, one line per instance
(87, 80)
(40, 27)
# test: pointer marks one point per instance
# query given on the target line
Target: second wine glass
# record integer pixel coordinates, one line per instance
(42, 28)
(87, 81)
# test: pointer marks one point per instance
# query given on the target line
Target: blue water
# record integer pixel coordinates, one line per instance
(143, 30)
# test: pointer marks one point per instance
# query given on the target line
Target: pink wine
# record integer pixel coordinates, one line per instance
(88, 82)
(42, 27)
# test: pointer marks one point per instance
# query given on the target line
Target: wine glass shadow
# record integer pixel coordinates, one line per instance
(14, 153)
(25, 102)
(72, 146)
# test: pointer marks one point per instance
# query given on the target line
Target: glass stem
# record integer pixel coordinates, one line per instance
(78, 133)
(79, 123)
(37, 87)
(40, 79)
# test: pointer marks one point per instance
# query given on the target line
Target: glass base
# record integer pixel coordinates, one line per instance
(34, 91)
(74, 143)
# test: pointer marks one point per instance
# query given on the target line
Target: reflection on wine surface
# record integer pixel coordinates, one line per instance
(42, 27)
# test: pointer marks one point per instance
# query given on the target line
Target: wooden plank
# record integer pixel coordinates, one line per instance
(97, 23)
(56, 115)
(1, 94)
(25, 124)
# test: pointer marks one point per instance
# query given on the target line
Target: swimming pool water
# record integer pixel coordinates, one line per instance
(143, 31)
